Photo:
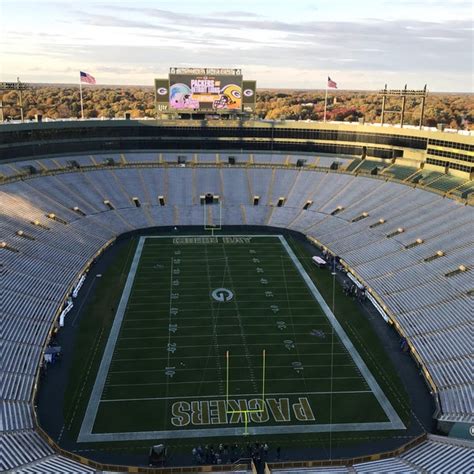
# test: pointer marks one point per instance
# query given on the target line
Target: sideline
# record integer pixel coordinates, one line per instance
(94, 400)
(395, 421)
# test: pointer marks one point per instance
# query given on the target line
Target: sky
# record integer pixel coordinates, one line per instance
(361, 44)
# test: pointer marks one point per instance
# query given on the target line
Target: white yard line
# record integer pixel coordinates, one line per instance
(205, 344)
(194, 382)
(234, 367)
(205, 397)
(191, 309)
(238, 355)
(255, 326)
(141, 338)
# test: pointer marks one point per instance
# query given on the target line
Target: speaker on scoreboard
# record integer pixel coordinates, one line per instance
(127, 115)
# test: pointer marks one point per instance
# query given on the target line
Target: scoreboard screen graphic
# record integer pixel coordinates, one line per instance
(205, 92)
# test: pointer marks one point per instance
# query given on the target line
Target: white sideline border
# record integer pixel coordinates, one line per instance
(86, 435)
(96, 394)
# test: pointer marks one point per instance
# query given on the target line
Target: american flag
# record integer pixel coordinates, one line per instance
(87, 77)
(331, 84)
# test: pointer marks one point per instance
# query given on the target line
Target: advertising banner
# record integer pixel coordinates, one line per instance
(162, 94)
(249, 95)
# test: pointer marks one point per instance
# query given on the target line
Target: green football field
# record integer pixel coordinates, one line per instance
(214, 336)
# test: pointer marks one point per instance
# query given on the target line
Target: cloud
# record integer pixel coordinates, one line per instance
(127, 41)
(423, 46)
(433, 3)
(375, 29)
(235, 14)
(96, 19)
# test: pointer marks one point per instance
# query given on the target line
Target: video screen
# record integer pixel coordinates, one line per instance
(205, 92)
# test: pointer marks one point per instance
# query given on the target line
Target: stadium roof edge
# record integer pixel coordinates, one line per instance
(461, 136)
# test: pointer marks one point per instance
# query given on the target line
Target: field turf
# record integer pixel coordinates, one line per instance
(168, 368)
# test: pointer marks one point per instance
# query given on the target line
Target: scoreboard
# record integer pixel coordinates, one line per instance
(205, 90)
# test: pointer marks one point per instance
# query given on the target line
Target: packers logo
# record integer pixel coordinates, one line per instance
(232, 92)
(162, 91)
(222, 295)
(248, 92)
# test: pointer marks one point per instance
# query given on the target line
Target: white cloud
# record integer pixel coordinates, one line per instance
(134, 44)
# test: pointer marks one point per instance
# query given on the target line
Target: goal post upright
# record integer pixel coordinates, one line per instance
(227, 380)
(247, 412)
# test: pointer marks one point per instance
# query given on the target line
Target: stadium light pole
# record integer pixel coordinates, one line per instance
(80, 94)
(325, 102)
(13, 86)
(20, 95)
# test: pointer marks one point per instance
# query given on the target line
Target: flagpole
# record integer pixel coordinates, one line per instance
(80, 93)
(326, 101)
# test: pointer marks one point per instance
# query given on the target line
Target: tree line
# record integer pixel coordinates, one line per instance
(62, 102)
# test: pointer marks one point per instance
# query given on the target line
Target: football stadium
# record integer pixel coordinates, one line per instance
(209, 291)
(235, 295)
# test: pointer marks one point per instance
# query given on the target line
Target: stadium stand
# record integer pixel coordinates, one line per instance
(400, 172)
(435, 455)
(438, 455)
(55, 464)
(413, 250)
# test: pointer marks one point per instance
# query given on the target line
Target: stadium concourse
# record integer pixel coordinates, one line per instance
(410, 247)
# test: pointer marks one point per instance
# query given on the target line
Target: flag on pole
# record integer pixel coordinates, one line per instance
(87, 78)
(331, 84)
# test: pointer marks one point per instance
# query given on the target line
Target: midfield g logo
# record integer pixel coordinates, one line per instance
(222, 295)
